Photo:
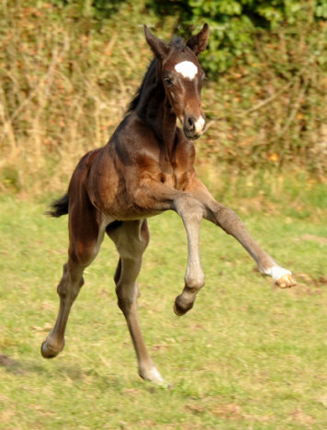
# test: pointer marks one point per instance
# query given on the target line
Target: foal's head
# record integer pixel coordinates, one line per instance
(182, 77)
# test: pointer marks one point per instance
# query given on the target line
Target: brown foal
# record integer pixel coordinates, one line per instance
(147, 167)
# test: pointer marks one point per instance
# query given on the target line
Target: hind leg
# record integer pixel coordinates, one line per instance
(85, 240)
(68, 289)
(131, 239)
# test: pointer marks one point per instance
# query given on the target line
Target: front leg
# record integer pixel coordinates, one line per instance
(231, 224)
(158, 197)
(191, 213)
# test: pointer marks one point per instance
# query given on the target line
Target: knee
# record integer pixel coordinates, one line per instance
(69, 284)
(125, 303)
(62, 287)
(66, 289)
(189, 208)
(126, 297)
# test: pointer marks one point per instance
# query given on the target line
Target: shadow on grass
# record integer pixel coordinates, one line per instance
(73, 373)
(18, 367)
(28, 366)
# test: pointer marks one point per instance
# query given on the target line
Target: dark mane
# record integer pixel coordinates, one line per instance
(178, 44)
(133, 104)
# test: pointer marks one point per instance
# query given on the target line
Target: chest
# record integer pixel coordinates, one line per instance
(174, 169)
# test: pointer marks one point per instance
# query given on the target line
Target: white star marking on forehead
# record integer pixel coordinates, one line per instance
(187, 69)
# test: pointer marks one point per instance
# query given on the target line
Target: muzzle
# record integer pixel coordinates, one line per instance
(193, 127)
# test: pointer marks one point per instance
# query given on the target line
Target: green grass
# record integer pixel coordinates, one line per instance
(248, 356)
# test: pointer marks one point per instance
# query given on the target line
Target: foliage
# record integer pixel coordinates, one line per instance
(63, 84)
(101, 9)
(68, 70)
(272, 110)
(234, 24)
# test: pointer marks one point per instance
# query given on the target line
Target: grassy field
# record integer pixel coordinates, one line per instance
(248, 356)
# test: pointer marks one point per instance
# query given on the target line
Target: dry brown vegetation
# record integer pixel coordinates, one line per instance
(65, 82)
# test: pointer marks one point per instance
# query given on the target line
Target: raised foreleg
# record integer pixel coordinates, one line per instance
(231, 224)
(158, 197)
(191, 213)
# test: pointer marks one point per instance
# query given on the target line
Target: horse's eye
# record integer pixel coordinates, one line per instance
(168, 81)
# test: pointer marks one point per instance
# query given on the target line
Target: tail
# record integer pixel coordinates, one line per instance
(59, 207)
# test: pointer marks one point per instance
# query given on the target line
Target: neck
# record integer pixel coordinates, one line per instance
(154, 109)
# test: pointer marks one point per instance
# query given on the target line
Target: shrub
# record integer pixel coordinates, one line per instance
(234, 23)
(67, 74)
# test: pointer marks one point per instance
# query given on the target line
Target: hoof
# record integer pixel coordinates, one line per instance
(286, 281)
(48, 352)
(178, 310)
(153, 375)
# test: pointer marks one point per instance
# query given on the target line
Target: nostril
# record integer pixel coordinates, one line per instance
(191, 123)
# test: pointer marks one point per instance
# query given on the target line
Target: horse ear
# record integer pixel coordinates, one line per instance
(199, 42)
(158, 47)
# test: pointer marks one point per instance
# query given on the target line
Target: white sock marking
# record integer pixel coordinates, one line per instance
(187, 69)
(277, 272)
